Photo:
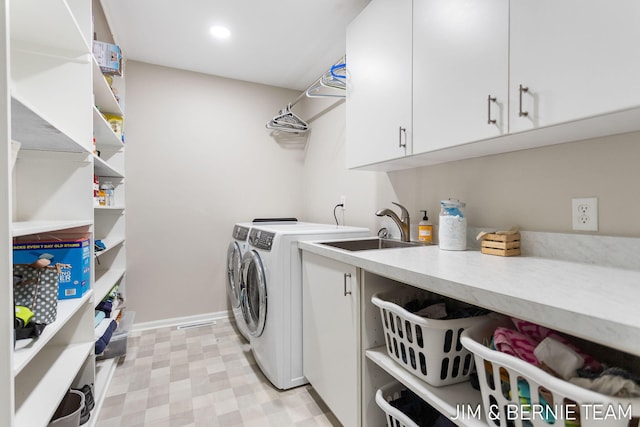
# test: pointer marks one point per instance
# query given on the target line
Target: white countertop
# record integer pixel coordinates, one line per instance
(600, 304)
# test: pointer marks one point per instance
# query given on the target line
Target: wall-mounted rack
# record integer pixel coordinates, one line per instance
(332, 84)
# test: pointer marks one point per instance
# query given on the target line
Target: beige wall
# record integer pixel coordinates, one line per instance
(326, 179)
(533, 188)
(198, 160)
(188, 134)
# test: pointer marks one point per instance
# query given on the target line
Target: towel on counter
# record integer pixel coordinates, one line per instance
(103, 334)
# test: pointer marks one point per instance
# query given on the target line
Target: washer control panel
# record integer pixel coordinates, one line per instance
(261, 239)
(240, 232)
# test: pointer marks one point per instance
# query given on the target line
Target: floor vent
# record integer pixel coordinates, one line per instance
(196, 325)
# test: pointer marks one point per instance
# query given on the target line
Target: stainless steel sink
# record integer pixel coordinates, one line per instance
(370, 244)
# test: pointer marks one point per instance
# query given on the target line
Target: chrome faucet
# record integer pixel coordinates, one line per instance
(403, 222)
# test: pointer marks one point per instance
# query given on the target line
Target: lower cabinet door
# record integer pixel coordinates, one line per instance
(331, 337)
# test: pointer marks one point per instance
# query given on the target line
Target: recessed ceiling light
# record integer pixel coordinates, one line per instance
(220, 32)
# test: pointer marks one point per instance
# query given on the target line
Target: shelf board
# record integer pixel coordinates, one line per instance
(25, 228)
(106, 138)
(105, 280)
(50, 24)
(26, 350)
(110, 243)
(103, 168)
(35, 132)
(40, 387)
(104, 98)
(109, 208)
(105, 369)
(445, 399)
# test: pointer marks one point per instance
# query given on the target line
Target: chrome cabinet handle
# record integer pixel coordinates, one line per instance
(522, 113)
(402, 130)
(490, 99)
(346, 275)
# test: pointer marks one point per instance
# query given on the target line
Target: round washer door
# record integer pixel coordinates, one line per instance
(253, 291)
(234, 262)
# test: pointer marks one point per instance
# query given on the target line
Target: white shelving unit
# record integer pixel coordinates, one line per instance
(54, 95)
(26, 350)
(25, 228)
(109, 226)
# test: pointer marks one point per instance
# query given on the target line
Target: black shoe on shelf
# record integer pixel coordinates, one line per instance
(88, 403)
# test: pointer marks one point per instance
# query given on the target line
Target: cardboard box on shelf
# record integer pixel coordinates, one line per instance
(108, 56)
(72, 252)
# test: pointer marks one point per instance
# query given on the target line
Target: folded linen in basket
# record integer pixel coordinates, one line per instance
(103, 334)
(433, 311)
(515, 344)
(419, 411)
(611, 385)
(560, 358)
(538, 333)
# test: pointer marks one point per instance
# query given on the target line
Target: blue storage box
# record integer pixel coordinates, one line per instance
(73, 253)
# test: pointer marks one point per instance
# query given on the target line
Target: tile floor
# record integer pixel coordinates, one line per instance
(204, 376)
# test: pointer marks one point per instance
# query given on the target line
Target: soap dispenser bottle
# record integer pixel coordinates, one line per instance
(425, 229)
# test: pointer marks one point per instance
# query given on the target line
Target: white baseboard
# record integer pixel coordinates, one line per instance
(180, 321)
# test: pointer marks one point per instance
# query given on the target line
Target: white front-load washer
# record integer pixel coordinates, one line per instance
(235, 251)
(271, 295)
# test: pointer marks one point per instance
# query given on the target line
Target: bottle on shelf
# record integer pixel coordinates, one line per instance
(108, 189)
(97, 197)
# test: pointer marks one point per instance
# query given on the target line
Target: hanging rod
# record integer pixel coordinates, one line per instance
(299, 98)
(317, 84)
(288, 121)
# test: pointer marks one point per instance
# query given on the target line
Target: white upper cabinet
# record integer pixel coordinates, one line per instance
(379, 85)
(577, 59)
(460, 72)
(488, 77)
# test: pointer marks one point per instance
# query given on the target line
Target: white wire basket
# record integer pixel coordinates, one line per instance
(430, 349)
(550, 401)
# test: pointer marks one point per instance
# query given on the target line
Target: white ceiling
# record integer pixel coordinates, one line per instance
(285, 43)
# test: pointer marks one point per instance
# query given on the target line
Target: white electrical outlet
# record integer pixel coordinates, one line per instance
(584, 213)
(343, 201)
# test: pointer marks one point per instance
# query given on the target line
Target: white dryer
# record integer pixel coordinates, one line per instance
(236, 250)
(271, 295)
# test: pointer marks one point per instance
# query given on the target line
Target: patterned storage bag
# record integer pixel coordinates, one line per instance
(38, 290)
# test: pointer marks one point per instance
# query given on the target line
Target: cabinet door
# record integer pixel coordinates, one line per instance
(575, 57)
(331, 343)
(460, 59)
(379, 85)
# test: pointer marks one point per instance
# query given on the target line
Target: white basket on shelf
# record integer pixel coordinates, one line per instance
(394, 416)
(553, 401)
(428, 348)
